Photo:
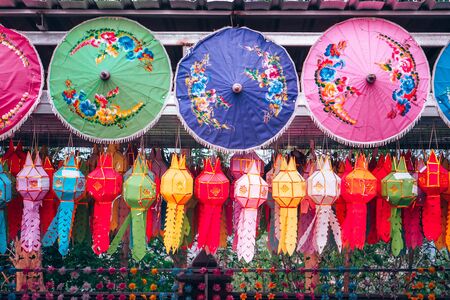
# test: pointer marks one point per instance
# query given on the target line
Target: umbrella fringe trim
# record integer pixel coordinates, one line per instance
(440, 112)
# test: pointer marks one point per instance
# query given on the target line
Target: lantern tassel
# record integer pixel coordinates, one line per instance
(120, 234)
(272, 240)
(3, 235)
(81, 223)
(223, 230)
(440, 244)
(383, 215)
(65, 217)
(353, 230)
(396, 231)
(340, 210)
(14, 215)
(335, 229)
(236, 222)
(203, 224)
(276, 207)
(247, 235)
(31, 232)
(211, 216)
(447, 235)
(321, 227)
(229, 216)
(138, 234)
(431, 218)
(283, 228)
(101, 226)
(48, 211)
(306, 242)
(411, 226)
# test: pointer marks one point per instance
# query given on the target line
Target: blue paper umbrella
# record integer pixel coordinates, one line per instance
(236, 91)
(441, 84)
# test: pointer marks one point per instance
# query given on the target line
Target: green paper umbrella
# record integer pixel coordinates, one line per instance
(109, 79)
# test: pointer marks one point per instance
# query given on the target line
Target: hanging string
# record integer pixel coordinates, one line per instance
(70, 144)
(433, 133)
(178, 140)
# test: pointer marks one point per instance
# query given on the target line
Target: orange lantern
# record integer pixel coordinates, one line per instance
(250, 191)
(177, 187)
(358, 188)
(288, 189)
(104, 184)
(212, 188)
(433, 180)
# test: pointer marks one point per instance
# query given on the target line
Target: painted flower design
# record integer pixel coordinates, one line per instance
(101, 110)
(271, 78)
(203, 101)
(334, 90)
(402, 72)
(112, 42)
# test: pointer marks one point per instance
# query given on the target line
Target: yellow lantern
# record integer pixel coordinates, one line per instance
(288, 189)
(177, 187)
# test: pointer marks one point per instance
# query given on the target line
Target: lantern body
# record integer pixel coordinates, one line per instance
(104, 183)
(49, 203)
(139, 190)
(399, 188)
(212, 187)
(240, 163)
(119, 161)
(177, 184)
(32, 181)
(288, 187)
(5, 196)
(159, 166)
(324, 186)
(359, 186)
(250, 189)
(69, 183)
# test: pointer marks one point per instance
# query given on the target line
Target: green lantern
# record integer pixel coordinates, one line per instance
(139, 192)
(399, 188)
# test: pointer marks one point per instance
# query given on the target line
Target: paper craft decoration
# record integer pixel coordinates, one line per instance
(364, 72)
(104, 184)
(358, 188)
(21, 81)
(69, 185)
(5, 197)
(108, 80)
(236, 98)
(383, 208)
(274, 208)
(139, 192)
(288, 189)
(49, 203)
(177, 187)
(399, 188)
(341, 210)
(250, 190)
(33, 184)
(324, 188)
(212, 189)
(433, 180)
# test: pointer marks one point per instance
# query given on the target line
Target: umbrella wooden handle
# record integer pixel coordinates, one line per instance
(371, 78)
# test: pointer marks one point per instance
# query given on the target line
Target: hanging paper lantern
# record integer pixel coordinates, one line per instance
(159, 166)
(5, 197)
(433, 180)
(69, 185)
(274, 207)
(358, 188)
(239, 164)
(250, 191)
(399, 188)
(212, 188)
(341, 210)
(383, 208)
(118, 159)
(288, 189)
(324, 188)
(49, 203)
(131, 154)
(33, 184)
(104, 184)
(153, 215)
(177, 187)
(139, 192)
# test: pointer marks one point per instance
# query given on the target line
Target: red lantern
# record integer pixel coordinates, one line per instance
(358, 188)
(433, 180)
(212, 188)
(104, 184)
(383, 214)
(344, 169)
(49, 203)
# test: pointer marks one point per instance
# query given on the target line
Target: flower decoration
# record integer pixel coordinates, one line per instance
(154, 271)
(402, 71)
(132, 286)
(334, 89)
(243, 296)
(101, 109)
(133, 271)
(216, 287)
(201, 286)
(204, 101)
(153, 287)
(272, 78)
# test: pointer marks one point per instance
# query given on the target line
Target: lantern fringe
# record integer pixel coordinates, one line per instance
(93, 139)
(203, 142)
(25, 117)
(441, 114)
(350, 143)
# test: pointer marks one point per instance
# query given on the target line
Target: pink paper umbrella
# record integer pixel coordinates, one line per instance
(366, 81)
(21, 80)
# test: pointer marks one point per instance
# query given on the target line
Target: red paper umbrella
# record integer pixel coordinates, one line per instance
(358, 188)
(212, 188)
(433, 180)
(49, 203)
(383, 214)
(104, 184)
(21, 80)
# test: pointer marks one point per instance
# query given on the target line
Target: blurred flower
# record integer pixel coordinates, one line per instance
(203, 270)
(420, 270)
(133, 271)
(272, 285)
(123, 270)
(152, 297)
(229, 287)
(73, 289)
(62, 271)
(230, 297)
(110, 297)
(132, 286)
(132, 297)
(432, 270)
(99, 286)
(216, 287)
(271, 296)
(243, 296)
(85, 296)
(258, 296)
(48, 296)
(86, 286)
(110, 285)
(201, 286)
(87, 270)
(111, 270)
(144, 281)
(99, 270)
(431, 285)
(60, 287)
(258, 285)
(154, 271)
(74, 275)
(431, 297)
(242, 285)
(122, 297)
(153, 287)
(245, 270)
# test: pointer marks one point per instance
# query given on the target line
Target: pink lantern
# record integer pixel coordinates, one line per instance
(33, 184)
(250, 191)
